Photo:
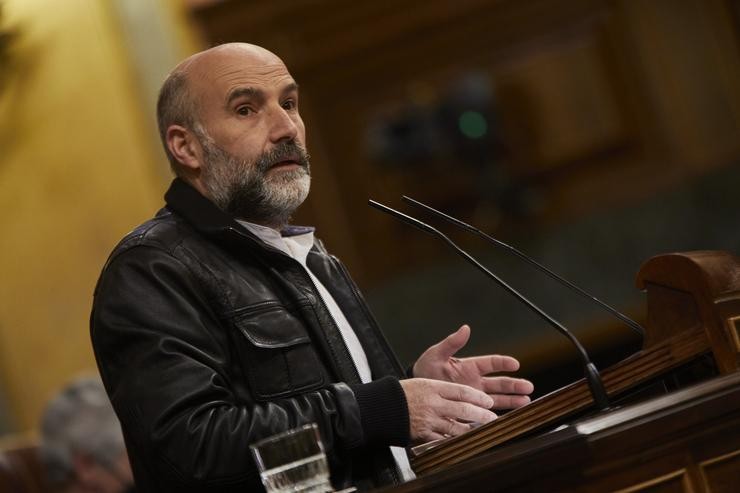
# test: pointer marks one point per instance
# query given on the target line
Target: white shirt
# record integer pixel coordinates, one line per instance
(298, 247)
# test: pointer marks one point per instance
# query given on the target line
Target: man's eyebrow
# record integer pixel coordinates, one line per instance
(252, 92)
(243, 91)
(292, 87)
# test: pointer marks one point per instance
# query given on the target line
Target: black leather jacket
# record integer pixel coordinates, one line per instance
(208, 339)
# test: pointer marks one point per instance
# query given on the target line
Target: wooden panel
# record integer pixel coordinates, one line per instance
(400, 77)
(733, 330)
(669, 310)
(720, 474)
(710, 465)
(675, 482)
(599, 103)
(686, 63)
(712, 279)
(565, 92)
(655, 445)
(727, 308)
(699, 280)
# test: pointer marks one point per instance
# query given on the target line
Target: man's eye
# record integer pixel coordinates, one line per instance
(243, 110)
(289, 105)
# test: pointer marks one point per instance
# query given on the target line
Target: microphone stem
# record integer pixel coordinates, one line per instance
(557, 325)
(472, 229)
(592, 376)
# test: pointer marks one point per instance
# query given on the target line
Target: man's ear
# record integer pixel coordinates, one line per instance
(184, 146)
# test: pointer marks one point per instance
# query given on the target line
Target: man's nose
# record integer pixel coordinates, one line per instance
(282, 126)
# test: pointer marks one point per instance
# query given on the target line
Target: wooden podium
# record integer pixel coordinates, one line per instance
(676, 424)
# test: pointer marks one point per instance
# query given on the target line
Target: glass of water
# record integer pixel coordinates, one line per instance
(293, 462)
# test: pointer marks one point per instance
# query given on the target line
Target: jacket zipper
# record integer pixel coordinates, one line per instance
(395, 473)
(369, 316)
(333, 321)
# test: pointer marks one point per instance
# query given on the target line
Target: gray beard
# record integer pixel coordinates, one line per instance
(244, 189)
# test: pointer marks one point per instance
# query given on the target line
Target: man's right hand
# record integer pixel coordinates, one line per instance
(439, 409)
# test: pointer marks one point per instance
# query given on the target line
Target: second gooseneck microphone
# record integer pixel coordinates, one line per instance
(472, 229)
(593, 378)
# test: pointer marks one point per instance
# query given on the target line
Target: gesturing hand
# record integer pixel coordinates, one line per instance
(438, 362)
(436, 408)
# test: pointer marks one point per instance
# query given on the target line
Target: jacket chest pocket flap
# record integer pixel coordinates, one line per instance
(279, 359)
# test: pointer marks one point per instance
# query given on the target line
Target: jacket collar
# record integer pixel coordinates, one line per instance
(201, 213)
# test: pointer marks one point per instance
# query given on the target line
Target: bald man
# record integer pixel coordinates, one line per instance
(217, 323)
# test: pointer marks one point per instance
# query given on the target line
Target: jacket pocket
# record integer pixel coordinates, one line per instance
(279, 359)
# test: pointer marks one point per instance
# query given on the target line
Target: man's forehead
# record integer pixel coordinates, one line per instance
(238, 65)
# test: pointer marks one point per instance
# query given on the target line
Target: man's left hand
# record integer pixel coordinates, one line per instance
(438, 362)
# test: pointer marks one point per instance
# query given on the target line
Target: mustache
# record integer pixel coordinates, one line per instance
(288, 150)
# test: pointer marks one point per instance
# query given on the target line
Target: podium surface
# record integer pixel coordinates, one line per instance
(685, 441)
(676, 428)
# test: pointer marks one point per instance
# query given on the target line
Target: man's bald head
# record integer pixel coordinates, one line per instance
(181, 93)
(217, 54)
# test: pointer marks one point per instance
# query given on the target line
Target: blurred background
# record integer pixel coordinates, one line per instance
(592, 134)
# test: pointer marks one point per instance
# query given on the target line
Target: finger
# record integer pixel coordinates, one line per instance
(450, 427)
(465, 412)
(426, 433)
(493, 363)
(451, 344)
(507, 385)
(463, 393)
(431, 436)
(503, 401)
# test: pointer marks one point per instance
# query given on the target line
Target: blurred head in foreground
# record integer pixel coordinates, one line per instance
(81, 443)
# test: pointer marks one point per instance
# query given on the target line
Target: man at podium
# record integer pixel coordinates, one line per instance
(217, 323)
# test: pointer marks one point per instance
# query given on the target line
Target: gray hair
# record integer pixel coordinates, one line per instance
(79, 420)
(175, 106)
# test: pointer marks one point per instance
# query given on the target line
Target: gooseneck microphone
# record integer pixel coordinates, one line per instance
(472, 229)
(593, 378)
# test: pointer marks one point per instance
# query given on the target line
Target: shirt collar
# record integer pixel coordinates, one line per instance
(295, 244)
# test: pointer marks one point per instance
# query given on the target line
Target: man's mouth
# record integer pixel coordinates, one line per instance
(286, 163)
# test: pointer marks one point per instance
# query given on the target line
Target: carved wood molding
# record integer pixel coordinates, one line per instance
(309, 33)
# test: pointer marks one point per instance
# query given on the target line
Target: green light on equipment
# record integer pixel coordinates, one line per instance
(472, 124)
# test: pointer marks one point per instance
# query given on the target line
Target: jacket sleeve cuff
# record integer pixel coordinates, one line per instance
(384, 413)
